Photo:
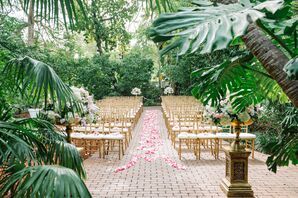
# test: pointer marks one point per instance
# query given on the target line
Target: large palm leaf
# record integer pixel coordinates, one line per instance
(44, 181)
(19, 143)
(37, 142)
(246, 83)
(37, 81)
(208, 25)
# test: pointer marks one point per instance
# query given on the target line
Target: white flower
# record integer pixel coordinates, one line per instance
(77, 92)
(136, 91)
(168, 91)
(93, 108)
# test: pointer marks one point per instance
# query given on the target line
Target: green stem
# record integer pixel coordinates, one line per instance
(255, 70)
(275, 37)
(295, 39)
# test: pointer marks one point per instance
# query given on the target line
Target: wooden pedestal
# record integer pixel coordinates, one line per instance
(235, 184)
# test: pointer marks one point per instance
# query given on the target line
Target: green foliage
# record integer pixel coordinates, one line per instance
(37, 80)
(240, 80)
(27, 145)
(106, 24)
(286, 149)
(177, 71)
(212, 26)
(45, 181)
(51, 11)
(135, 71)
(99, 76)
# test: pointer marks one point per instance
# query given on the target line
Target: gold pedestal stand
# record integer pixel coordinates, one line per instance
(68, 131)
(235, 184)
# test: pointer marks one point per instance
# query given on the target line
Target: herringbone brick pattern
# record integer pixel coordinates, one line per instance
(200, 179)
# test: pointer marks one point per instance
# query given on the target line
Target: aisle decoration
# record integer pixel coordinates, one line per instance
(168, 91)
(136, 91)
(224, 113)
(150, 144)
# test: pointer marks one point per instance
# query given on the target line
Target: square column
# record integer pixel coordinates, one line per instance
(235, 183)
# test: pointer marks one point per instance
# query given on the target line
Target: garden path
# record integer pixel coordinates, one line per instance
(157, 178)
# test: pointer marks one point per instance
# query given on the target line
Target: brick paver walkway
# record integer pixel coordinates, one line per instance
(200, 179)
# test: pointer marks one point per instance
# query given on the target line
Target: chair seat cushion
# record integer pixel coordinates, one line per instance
(114, 136)
(185, 135)
(247, 136)
(206, 136)
(225, 135)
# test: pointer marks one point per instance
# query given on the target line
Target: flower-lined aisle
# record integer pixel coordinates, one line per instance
(150, 144)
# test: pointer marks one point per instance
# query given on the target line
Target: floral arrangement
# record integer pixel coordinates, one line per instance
(168, 91)
(224, 114)
(89, 109)
(136, 91)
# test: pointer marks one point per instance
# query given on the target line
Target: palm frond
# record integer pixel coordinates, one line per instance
(160, 5)
(44, 181)
(211, 26)
(39, 81)
(67, 155)
(19, 143)
(58, 150)
(52, 11)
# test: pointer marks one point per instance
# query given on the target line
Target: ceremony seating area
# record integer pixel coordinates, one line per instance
(186, 123)
(113, 127)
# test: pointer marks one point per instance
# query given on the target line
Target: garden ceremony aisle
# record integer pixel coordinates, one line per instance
(161, 178)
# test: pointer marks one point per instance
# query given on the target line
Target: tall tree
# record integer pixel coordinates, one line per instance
(107, 23)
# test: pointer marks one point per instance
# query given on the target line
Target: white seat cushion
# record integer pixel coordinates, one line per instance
(247, 136)
(185, 135)
(94, 136)
(206, 136)
(77, 135)
(225, 135)
(114, 136)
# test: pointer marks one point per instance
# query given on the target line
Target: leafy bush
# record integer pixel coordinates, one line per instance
(152, 96)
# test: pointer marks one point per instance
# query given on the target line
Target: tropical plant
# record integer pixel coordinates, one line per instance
(285, 150)
(34, 156)
(212, 26)
(255, 75)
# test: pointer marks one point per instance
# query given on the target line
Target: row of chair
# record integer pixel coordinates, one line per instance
(114, 125)
(186, 123)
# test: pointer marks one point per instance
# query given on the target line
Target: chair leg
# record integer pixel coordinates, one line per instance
(104, 149)
(99, 148)
(195, 148)
(253, 149)
(199, 148)
(179, 152)
(119, 149)
(122, 147)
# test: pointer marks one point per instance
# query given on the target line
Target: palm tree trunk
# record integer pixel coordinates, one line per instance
(31, 23)
(272, 59)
